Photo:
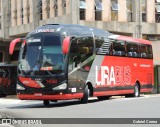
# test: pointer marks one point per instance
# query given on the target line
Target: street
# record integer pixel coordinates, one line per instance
(147, 106)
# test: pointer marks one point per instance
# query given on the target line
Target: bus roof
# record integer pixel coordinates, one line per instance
(71, 30)
(130, 39)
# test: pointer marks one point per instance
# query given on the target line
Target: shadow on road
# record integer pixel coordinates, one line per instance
(39, 104)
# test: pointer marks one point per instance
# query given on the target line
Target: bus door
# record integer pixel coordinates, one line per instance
(72, 66)
(85, 58)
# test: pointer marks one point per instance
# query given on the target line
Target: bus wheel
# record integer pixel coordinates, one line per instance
(136, 90)
(46, 102)
(53, 101)
(103, 98)
(84, 100)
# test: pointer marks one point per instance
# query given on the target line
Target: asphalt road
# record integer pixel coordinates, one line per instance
(147, 106)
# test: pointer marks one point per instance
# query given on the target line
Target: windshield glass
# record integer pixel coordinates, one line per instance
(52, 54)
(30, 54)
(41, 55)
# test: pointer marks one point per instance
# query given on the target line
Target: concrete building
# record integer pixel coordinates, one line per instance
(137, 18)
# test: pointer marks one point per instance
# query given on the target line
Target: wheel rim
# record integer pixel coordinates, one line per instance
(88, 93)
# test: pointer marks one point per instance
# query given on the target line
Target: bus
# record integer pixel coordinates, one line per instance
(63, 61)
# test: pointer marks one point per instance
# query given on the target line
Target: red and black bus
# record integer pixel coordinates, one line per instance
(59, 62)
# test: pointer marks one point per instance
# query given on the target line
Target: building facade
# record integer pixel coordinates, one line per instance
(137, 18)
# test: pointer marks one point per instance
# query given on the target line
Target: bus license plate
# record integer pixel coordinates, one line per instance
(37, 94)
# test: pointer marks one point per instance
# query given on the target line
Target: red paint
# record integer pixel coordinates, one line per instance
(140, 70)
(145, 90)
(66, 43)
(110, 93)
(87, 68)
(131, 39)
(12, 45)
(50, 97)
(29, 82)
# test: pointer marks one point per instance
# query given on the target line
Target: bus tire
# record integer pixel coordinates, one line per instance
(53, 101)
(103, 98)
(86, 94)
(136, 91)
(46, 102)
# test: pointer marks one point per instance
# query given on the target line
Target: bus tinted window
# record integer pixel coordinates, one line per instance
(103, 46)
(150, 54)
(119, 48)
(51, 41)
(143, 51)
(85, 48)
(99, 42)
(132, 50)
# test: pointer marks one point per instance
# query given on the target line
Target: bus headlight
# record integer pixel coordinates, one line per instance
(61, 87)
(20, 87)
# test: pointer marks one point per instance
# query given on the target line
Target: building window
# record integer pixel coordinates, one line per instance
(114, 10)
(143, 10)
(157, 16)
(22, 16)
(48, 8)
(56, 8)
(129, 10)
(40, 10)
(28, 11)
(82, 9)
(98, 10)
(15, 13)
(64, 7)
(9, 13)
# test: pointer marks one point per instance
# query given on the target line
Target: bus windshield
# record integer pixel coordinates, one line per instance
(42, 52)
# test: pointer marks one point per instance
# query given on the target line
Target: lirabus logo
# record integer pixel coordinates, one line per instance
(113, 75)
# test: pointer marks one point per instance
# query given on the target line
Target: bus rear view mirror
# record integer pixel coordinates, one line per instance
(12, 45)
(65, 45)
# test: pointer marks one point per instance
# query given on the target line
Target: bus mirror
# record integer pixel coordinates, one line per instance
(12, 45)
(65, 46)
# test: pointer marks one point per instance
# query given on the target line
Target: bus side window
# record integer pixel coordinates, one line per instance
(132, 50)
(85, 49)
(149, 50)
(143, 51)
(102, 46)
(99, 43)
(119, 48)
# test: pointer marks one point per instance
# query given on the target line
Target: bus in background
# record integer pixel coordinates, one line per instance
(8, 79)
(60, 62)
